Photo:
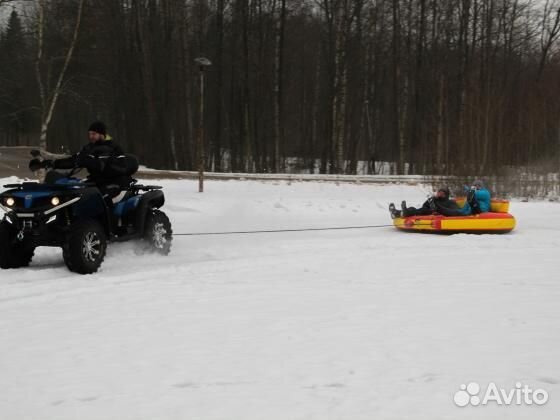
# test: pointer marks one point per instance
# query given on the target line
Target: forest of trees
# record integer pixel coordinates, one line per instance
(433, 86)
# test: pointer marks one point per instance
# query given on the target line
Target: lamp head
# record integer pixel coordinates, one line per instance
(203, 61)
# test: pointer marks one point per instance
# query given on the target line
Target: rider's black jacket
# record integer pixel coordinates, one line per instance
(104, 160)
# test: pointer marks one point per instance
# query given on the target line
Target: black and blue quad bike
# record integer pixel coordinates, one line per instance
(72, 214)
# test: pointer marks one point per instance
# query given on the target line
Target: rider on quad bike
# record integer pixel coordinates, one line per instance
(82, 216)
(107, 164)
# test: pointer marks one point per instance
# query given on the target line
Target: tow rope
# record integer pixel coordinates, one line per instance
(250, 232)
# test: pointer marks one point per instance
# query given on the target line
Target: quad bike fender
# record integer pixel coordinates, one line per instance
(92, 206)
(150, 200)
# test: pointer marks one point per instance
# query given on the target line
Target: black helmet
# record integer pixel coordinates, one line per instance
(445, 190)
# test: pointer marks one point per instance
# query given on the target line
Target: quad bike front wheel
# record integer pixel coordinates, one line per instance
(85, 247)
(158, 234)
(12, 253)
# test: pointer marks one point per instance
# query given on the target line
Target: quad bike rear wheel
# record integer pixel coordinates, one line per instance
(158, 234)
(85, 247)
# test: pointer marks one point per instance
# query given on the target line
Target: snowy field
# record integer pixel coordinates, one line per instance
(349, 324)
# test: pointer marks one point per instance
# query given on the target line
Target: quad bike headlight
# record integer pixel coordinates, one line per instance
(10, 201)
(55, 201)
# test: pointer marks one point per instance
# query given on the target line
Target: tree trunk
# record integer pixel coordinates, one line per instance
(278, 72)
(49, 99)
(340, 81)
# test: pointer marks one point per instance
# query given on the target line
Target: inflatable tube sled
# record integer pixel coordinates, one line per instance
(498, 220)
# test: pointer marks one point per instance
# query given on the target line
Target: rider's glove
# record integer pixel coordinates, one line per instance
(36, 164)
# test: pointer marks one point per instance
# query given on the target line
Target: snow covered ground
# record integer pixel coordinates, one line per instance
(349, 324)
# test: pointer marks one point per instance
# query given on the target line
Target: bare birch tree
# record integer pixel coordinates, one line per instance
(49, 98)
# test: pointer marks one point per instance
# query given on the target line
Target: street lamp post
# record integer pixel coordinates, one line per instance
(202, 62)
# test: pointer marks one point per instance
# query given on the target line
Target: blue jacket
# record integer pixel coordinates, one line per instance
(483, 197)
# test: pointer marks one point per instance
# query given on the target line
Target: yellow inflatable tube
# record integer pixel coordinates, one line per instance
(498, 220)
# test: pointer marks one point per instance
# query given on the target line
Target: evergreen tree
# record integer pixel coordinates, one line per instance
(14, 105)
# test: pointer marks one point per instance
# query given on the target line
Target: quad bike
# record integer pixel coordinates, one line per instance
(72, 214)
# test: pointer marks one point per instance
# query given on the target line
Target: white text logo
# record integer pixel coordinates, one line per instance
(519, 395)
